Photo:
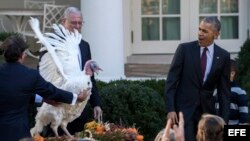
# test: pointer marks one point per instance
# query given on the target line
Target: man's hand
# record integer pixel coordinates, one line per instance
(173, 117)
(177, 129)
(166, 134)
(98, 113)
(83, 95)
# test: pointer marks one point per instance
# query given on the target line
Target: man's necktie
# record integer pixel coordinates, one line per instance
(203, 62)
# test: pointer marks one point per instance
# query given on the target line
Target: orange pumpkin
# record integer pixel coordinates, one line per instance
(100, 128)
(38, 138)
(132, 130)
(139, 137)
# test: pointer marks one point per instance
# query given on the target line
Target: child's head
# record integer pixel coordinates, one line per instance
(234, 70)
(210, 128)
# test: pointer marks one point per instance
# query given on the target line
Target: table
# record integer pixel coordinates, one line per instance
(20, 16)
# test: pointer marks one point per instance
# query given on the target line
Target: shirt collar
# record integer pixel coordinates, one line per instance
(210, 48)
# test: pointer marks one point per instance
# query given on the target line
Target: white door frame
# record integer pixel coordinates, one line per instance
(189, 30)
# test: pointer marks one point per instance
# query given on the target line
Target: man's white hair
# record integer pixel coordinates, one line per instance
(71, 10)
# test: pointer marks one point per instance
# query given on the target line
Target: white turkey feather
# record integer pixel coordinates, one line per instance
(61, 67)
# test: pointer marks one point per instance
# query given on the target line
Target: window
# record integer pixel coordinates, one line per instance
(160, 20)
(158, 26)
(228, 13)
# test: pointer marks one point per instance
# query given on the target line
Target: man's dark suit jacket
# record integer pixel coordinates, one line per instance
(86, 55)
(18, 84)
(185, 90)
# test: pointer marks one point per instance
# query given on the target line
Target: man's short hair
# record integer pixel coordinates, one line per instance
(214, 21)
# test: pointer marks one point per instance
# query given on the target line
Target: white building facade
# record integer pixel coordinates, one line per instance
(120, 29)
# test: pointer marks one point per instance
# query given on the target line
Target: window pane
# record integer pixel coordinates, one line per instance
(150, 7)
(170, 6)
(150, 29)
(171, 29)
(229, 27)
(208, 6)
(229, 6)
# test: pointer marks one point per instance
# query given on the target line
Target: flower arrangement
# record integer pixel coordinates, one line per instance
(98, 131)
(109, 132)
(38, 138)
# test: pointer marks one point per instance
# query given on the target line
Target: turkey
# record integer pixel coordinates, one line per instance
(61, 67)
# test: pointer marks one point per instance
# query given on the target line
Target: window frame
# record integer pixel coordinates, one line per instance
(189, 23)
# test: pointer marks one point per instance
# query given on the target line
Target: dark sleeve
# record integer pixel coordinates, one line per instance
(32, 99)
(173, 78)
(49, 91)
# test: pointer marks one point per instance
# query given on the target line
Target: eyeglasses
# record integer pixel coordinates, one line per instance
(76, 22)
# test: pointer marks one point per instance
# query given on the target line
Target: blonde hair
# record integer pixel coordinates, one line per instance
(210, 128)
(161, 133)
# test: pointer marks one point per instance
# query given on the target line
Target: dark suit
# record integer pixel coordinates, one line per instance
(185, 90)
(18, 84)
(86, 55)
(78, 124)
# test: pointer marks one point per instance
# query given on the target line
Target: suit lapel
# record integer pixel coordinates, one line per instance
(81, 46)
(197, 62)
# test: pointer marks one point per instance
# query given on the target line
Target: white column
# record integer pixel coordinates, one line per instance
(103, 29)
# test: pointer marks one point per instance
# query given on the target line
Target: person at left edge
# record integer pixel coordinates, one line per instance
(18, 84)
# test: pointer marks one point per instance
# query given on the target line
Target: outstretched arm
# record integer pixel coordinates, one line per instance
(177, 130)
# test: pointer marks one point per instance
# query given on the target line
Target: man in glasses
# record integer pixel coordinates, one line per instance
(72, 19)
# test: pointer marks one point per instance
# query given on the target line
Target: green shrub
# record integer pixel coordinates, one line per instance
(157, 85)
(244, 67)
(4, 35)
(100, 84)
(127, 103)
